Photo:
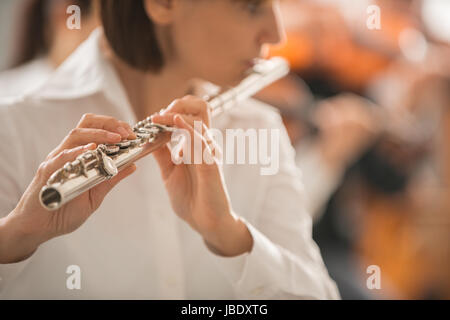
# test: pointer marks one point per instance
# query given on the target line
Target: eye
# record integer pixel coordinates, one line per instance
(253, 7)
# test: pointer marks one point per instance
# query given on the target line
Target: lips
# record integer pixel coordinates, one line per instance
(250, 62)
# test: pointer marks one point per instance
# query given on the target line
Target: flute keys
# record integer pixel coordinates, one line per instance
(143, 136)
(68, 167)
(109, 166)
(111, 150)
(124, 144)
(135, 142)
(160, 127)
(140, 124)
(151, 129)
(106, 163)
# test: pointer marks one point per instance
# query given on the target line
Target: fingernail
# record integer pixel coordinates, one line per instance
(123, 132)
(89, 146)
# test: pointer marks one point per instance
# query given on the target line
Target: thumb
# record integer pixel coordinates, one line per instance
(164, 158)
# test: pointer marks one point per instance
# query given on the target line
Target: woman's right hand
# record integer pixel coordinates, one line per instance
(29, 224)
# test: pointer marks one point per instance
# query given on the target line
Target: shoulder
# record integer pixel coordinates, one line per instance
(25, 78)
(8, 106)
(14, 112)
(14, 108)
(12, 155)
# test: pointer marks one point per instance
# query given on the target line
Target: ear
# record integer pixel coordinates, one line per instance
(160, 11)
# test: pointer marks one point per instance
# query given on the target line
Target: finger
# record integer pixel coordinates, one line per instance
(65, 156)
(181, 123)
(168, 119)
(81, 136)
(99, 193)
(187, 105)
(190, 105)
(164, 158)
(104, 122)
(126, 125)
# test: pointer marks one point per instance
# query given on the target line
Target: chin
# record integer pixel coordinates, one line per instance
(229, 79)
(224, 83)
(236, 79)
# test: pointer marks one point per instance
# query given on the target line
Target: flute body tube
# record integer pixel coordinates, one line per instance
(96, 166)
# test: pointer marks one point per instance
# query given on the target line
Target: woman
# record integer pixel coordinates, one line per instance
(224, 241)
(44, 42)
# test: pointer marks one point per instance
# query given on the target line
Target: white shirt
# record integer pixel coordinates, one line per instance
(25, 78)
(320, 180)
(134, 246)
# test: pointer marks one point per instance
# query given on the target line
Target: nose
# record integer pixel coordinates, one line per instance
(273, 30)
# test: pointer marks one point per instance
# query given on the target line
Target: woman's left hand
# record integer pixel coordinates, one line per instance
(197, 191)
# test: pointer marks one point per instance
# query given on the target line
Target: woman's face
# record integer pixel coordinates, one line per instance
(217, 40)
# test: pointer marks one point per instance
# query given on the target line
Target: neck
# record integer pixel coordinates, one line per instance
(64, 44)
(148, 92)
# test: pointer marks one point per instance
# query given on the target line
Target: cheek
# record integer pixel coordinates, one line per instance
(214, 50)
(204, 54)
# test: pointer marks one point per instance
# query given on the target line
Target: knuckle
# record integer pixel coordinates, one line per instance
(126, 124)
(42, 168)
(111, 119)
(87, 116)
(197, 100)
(189, 97)
(64, 153)
(74, 132)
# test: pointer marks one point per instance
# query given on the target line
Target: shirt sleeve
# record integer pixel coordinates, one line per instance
(285, 262)
(320, 180)
(11, 170)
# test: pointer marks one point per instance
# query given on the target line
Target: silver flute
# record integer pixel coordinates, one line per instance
(96, 166)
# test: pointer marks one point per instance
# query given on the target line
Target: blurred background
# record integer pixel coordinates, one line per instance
(367, 108)
(7, 10)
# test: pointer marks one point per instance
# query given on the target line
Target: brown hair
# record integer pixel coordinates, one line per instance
(33, 39)
(130, 33)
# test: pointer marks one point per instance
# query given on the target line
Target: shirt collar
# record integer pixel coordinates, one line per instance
(85, 72)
